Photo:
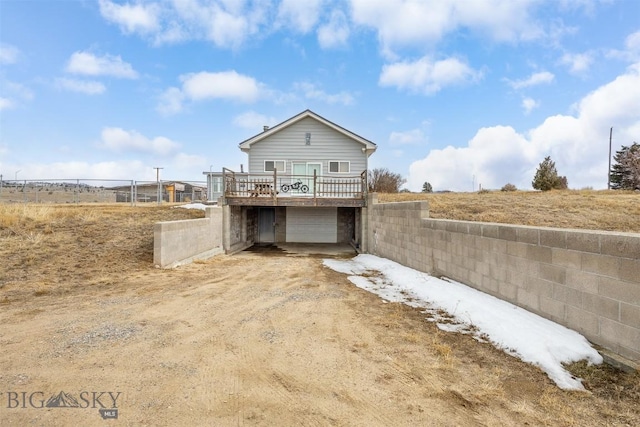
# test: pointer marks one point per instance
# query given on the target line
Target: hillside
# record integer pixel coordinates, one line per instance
(594, 210)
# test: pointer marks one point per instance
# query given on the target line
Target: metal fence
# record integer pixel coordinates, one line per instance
(100, 191)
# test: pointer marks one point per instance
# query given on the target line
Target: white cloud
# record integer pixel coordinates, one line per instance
(254, 121)
(170, 102)
(227, 29)
(132, 18)
(225, 85)
(189, 162)
(226, 23)
(86, 63)
(87, 87)
(8, 54)
(631, 51)
(119, 140)
(542, 77)
(632, 42)
(578, 63)
(502, 20)
(18, 90)
(5, 103)
(427, 76)
(299, 15)
(15, 92)
(401, 23)
(413, 136)
(221, 85)
(529, 104)
(310, 91)
(578, 144)
(335, 33)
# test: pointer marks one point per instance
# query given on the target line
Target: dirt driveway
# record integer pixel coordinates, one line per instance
(257, 339)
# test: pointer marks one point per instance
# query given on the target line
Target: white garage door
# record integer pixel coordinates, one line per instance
(312, 225)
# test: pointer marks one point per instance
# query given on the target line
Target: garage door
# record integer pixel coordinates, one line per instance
(312, 225)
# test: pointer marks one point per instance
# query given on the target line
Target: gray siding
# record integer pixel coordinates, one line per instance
(326, 145)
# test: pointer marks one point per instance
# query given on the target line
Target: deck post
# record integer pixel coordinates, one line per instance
(315, 182)
(274, 191)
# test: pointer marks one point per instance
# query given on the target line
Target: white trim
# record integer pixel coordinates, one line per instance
(369, 146)
(338, 162)
(275, 166)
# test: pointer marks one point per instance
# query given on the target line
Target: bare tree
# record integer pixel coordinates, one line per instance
(381, 180)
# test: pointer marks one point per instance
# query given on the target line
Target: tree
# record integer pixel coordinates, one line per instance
(427, 188)
(381, 180)
(625, 173)
(547, 178)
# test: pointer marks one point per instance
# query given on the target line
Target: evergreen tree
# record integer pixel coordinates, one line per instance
(427, 188)
(625, 173)
(546, 177)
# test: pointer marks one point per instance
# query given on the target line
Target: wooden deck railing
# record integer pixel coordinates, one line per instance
(280, 185)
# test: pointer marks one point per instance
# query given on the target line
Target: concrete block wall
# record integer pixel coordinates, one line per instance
(588, 281)
(176, 242)
(235, 234)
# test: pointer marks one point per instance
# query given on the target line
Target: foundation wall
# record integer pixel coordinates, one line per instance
(588, 281)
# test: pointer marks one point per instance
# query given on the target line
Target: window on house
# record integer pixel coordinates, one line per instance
(216, 184)
(339, 167)
(271, 165)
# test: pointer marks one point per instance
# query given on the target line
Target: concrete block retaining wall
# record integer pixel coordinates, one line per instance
(588, 281)
(176, 242)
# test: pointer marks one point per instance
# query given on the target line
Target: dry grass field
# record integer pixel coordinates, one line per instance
(253, 338)
(585, 209)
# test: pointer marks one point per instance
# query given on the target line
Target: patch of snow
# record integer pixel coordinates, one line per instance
(515, 330)
(200, 206)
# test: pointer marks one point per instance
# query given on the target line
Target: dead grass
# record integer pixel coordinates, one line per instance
(41, 243)
(56, 258)
(607, 382)
(583, 209)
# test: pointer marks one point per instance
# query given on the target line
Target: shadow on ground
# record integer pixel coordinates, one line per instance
(304, 249)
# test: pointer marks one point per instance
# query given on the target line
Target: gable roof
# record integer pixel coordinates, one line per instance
(246, 144)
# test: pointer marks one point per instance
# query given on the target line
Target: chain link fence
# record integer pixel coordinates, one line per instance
(101, 191)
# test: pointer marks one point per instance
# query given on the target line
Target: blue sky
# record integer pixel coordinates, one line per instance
(458, 93)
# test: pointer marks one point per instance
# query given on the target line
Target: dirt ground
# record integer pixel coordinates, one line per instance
(256, 338)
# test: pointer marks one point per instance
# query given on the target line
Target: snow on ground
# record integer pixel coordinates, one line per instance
(518, 332)
(193, 206)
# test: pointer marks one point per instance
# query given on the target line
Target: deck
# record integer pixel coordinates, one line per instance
(293, 190)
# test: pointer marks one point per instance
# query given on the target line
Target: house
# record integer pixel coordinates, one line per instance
(306, 182)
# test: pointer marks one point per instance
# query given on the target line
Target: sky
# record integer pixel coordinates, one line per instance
(463, 94)
(516, 331)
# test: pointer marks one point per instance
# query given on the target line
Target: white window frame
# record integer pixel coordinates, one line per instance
(339, 163)
(275, 165)
(216, 184)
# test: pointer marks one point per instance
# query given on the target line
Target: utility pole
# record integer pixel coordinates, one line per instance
(159, 196)
(609, 171)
